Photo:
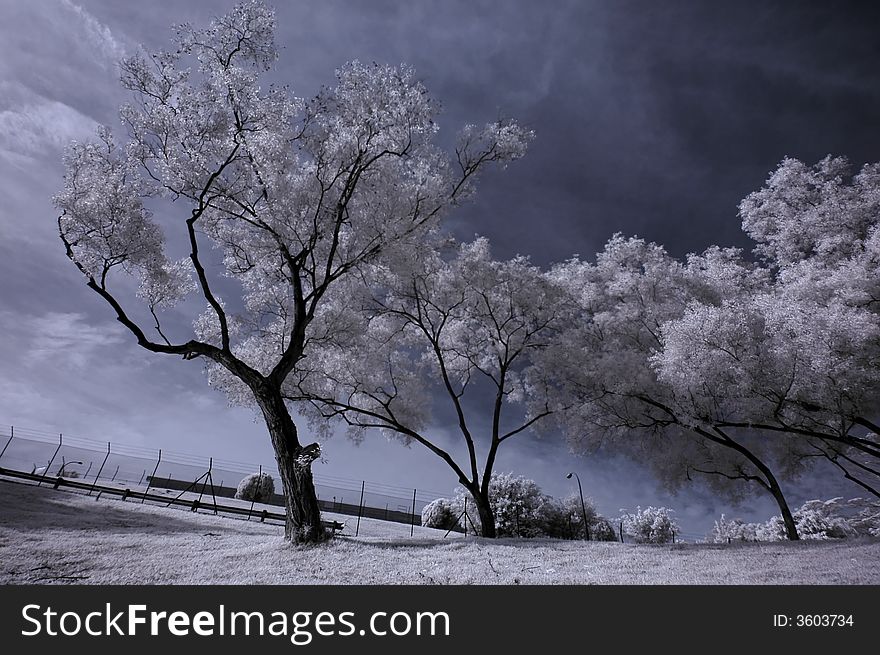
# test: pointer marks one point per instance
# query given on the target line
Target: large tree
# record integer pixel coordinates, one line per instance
(799, 357)
(605, 367)
(453, 331)
(279, 203)
(775, 361)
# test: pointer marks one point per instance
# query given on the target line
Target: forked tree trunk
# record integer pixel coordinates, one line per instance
(303, 522)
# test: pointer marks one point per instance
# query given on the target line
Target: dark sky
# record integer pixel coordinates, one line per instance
(652, 118)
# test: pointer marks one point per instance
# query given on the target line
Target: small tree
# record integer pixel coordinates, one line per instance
(257, 487)
(440, 514)
(651, 525)
(457, 328)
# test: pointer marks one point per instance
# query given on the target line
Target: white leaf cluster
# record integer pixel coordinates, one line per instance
(440, 514)
(781, 355)
(650, 525)
(430, 323)
(835, 518)
(257, 487)
(296, 195)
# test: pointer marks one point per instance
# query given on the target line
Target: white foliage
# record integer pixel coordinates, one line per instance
(651, 525)
(815, 519)
(440, 514)
(518, 504)
(729, 530)
(305, 200)
(829, 519)
(257, 487)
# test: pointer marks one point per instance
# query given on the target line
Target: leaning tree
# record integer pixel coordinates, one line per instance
(610, 368)
(798, 357)
(280, 202)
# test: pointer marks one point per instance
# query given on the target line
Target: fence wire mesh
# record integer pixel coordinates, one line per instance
(61, 455)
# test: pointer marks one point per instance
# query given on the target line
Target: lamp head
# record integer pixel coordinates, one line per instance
(568, 476)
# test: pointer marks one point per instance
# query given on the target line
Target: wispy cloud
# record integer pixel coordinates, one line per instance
(37, 125)
(99, 36)
(67, 339)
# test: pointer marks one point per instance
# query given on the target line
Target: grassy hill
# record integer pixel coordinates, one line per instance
(49, 537)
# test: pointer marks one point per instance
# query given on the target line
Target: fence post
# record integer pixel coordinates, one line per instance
(210, 467)
(465, 514)
(98, 474)
(49, 465)
(673, 536)
(210, 481)
(150, 479)
(254, 499)
(360, 508)
(621, 532)
(412, 517)
(11, 435)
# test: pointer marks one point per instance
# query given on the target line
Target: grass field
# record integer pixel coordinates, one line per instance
(49, 537)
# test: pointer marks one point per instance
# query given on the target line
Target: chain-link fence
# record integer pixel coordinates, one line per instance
(88, 460)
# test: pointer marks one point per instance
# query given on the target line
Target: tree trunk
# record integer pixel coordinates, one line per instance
(770, 484)
(790, 526)
(303, 522)
(484, 509)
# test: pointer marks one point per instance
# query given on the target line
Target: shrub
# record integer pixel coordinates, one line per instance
(517, 503)
(828, 519)
(440, 514)
(257, 487)
(652, 525)
(727, 530)
(602, 530)
(815, 519)
(564, 518)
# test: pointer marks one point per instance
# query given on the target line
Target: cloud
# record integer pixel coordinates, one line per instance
(98, 35)
(66, 339)
(36, 126)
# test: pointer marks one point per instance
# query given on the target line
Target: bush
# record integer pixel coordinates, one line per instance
(257, 487)
(602, 530)
(815, 519)
(652, 525)
(828, 519)
(726, 531)
(521, 509)
(564, 518)
(440, 514)
(517, 503)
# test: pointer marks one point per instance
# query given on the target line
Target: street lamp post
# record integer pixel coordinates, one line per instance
(583, 505)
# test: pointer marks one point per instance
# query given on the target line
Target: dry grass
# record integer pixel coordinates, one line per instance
(51, 536)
